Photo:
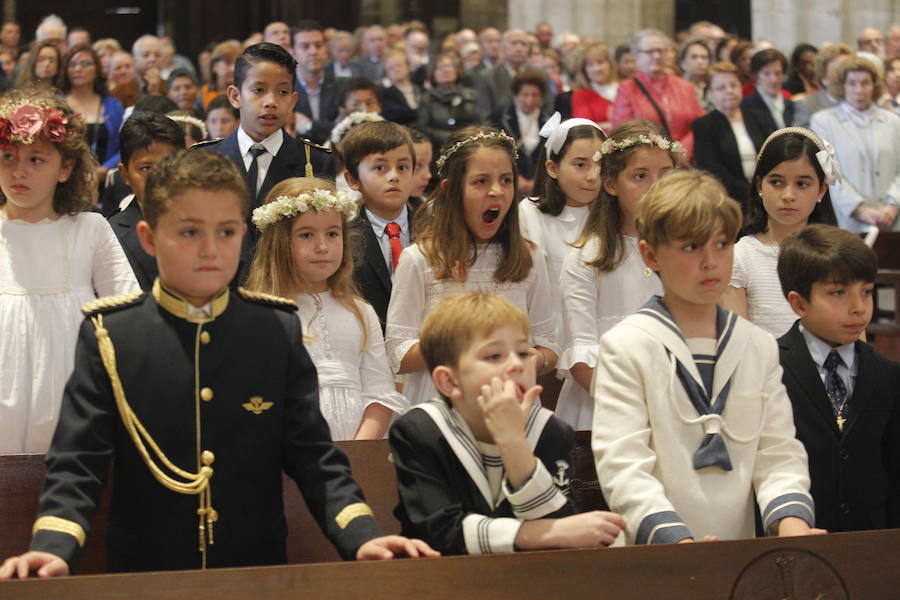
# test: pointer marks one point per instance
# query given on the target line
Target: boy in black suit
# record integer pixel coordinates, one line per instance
(144, 139)
(379, 159)
(196, 397)
(263, 92)
(846, 396)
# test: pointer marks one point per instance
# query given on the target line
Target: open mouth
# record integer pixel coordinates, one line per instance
(490, 215)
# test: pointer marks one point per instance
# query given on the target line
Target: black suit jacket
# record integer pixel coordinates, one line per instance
(329, 97)
(855, 473)
(506, 119)
(289, 162)
(124, 226)
(394, 106)
(372, 275)
(755, 102)
(716, 150)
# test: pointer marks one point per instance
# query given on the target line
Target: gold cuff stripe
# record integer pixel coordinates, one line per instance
(60, 525)
(352, 511)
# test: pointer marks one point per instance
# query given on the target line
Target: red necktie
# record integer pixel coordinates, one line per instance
(393, 231)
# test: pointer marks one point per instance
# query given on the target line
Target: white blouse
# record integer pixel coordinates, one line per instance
(351, 376)
(593, 302)
(756, 270)
(416, 292)
(48, 270)
(554, 237)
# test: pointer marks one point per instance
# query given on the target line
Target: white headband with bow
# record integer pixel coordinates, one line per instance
(557, 131)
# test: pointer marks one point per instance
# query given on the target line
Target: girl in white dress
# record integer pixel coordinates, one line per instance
(304, 253)
(603, 277)
(567, 185)
(790, 190)
(54, 257)
(470, 241)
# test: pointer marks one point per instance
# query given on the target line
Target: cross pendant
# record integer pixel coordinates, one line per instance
(840, 422)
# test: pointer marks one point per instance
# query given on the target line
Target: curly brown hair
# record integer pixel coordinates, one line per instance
(77, 193)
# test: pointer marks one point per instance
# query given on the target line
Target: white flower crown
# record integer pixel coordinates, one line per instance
(491, 134)
(290, 206)
(609, 146)
(191, 121)
(350, 121)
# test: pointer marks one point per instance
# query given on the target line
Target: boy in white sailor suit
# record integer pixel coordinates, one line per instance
(680, 463)
(197, 397)
(485, 469)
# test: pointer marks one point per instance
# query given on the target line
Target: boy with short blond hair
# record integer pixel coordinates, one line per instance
(692, 424)
(484, 468)
(197, 397)
(845, 395)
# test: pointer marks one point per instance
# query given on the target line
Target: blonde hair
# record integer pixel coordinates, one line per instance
(457, 320)
(273, 270)
(445, 239)
(596, 52)
(838, 76)
(687, 204)
(605, 218)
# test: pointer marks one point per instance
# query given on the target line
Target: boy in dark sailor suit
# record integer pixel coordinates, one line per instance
(198, 396)
(485, 469)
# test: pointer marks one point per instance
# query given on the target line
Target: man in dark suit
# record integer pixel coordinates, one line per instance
(371, 50)
(263, 92)
(317, 92)
(522, 119)
(846, 396)
(768, 67)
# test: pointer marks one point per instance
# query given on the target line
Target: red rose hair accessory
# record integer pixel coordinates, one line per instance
(25, 123)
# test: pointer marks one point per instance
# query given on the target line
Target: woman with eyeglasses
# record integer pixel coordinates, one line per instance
(84, 84)
(654, 94)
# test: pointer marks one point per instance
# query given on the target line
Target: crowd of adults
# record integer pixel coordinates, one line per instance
(717, 94)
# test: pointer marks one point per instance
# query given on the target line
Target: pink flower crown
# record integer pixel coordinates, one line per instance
(27, 123)
(609, 146)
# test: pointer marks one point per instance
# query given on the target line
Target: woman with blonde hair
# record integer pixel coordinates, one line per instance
(595, 86)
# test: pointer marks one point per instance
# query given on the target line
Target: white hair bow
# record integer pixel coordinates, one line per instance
(556, 131)
(828, 161)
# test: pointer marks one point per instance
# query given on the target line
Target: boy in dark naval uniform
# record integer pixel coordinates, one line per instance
(198, 397)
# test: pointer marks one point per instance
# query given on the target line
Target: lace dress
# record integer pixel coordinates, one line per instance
(592, 304)
(416, 292)
(47, 271)
(756, 270)
(351, 377)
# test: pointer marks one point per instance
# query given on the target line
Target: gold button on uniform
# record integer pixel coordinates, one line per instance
(206, 394)
(204, 337)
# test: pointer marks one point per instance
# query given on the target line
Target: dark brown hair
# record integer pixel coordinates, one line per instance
(182, 171)
(445, 239)
(373, 137)
(823, 254)
(528, 77)
(551, 199)
(65, 85)
(765, 57)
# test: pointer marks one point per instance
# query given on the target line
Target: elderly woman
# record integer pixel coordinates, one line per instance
(595, 86)
(83, 82)
(655, 95)
(891, 97)
(727, 140)
(400, 100)
(448, 105)
(865, 138)
(768, 67)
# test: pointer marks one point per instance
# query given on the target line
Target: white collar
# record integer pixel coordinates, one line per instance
(272, 144)
(378, 224)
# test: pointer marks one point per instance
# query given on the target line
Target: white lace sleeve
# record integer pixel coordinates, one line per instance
(376, 381)
(406, 310)
(578, 288)
(111, 272)
(540, 305)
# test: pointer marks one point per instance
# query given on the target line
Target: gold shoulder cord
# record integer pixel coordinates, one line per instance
(309, 169)
(197, 483)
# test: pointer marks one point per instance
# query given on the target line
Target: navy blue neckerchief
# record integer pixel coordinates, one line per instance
(712, 451)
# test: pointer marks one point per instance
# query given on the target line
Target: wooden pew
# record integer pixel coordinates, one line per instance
(860, 566)
(21, 476)
(884, 331)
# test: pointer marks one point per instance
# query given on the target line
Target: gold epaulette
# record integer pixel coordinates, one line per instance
(203, 144)
(316, 146)
(107, 302)
(268, 299)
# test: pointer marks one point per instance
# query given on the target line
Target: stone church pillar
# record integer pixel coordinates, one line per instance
(787, 24)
